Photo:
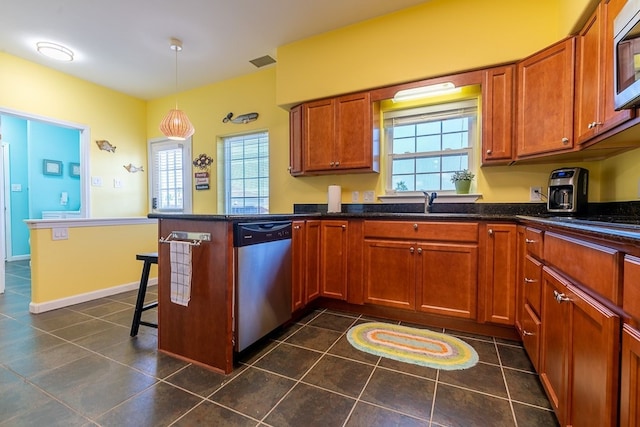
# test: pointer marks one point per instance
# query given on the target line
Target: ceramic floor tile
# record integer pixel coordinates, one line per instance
(82, 329)
(339, 375)
(32, 364)
(50, 414)
(457, 407)
(403, 393)
(310, 407)
(211, 414)
(335, 322)
(481, 377)
(110, 336)
(37, 343)
(107, 307)
(198, 380)
(314, 338)
(532, 416)
(156, 406)
(408, 368)
(288, 360)
(486, 350)
(55, 319)
(366, 415)
(18, 397)
(526, 388)
(515, 357)
(345, 349)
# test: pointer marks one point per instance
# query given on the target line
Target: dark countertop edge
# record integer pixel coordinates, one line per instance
(233, 218)
(619, 233)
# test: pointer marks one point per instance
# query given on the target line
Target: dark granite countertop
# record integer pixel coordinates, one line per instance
(625, 232)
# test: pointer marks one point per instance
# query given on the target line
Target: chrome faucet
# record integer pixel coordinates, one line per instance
(428, 201)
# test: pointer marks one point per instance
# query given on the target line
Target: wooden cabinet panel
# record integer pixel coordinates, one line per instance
(531, 283)
(353, 126)
(630, 378)
(435, 231)
(312, 260)
(295, 140)
(534, 242)
(333, 259)
(389, 275)
(318, 137)
(598, 267)
(631, 299)
(544, 112)
(531, 327)
(497, 115)
(500, 274)
(447, 279)
(298, 251)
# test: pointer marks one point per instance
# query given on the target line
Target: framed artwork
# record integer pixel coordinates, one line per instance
(74, 170)
(51, 167)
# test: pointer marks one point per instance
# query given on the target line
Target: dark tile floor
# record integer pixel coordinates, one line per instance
(78, 366)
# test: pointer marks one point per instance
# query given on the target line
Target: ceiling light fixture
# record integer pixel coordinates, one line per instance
(55, 51)
(425, 91)
(176, 124)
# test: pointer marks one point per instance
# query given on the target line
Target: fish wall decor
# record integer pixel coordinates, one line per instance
(241, 119)
(133, 169)
(105, 145)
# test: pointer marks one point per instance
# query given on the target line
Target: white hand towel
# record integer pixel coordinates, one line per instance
(180, 272)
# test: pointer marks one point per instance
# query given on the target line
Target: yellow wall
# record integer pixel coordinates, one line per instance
(92, 259)
(621, 176)
(31, 88)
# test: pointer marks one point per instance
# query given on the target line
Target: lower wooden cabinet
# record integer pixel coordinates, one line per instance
(579, 362)
(499, 281)
(630, 378)
(333, 259)
(390, 273)
(305, 252)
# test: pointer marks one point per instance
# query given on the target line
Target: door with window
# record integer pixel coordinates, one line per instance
(170, 177)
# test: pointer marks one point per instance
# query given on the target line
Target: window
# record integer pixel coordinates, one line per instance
(247, 174)
(427, 144)
(170, 183)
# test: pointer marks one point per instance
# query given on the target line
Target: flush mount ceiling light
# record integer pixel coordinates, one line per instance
(425, 91)
(176, 124)
(55, 51)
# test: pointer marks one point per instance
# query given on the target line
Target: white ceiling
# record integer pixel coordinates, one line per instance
(124, 44)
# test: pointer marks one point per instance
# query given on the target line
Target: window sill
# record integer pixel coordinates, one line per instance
(419, 198)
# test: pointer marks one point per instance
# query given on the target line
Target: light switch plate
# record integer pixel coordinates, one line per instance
(96, 181)
(59, 233)
(368, 196)
(355, 196)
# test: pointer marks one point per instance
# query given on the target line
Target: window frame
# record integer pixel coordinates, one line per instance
(187, 189)
(430, 109)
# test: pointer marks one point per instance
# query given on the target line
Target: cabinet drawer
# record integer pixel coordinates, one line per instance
(590, 264)
(531, 335)
(533, 240)
(532, 283)
(441, 231)
(631, 301)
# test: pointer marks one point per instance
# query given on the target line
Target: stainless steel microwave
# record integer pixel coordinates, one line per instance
(626, 56)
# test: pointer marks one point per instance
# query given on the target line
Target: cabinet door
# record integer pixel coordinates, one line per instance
(353, 143)
(389, 273)
(312, 260)
(497, 115)
(554, 348)
(500, 274)
(588, 77)
(333, 259)
(318, 135)
(531, 283)
(531, 327)
(447, 281)
(295, 140)
(298, 251)
(630, 378)
(594, 364)
(544, 120)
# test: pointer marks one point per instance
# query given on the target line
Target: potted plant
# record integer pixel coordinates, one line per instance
(462, 181)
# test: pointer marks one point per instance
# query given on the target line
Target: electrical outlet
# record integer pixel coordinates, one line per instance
(355, 196)
(535, 194)
(368, 196)
(96, 181)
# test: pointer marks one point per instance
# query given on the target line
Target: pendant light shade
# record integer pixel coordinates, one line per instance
(176, 124)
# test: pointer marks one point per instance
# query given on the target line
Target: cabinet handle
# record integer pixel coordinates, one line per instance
(489, 152)
(415, 226)
(560, 297)
(337, 164)
(344, 227)
(527, 280)
(594, 124)
(527, 333)
(529, 241)
(419, 251)
(296, 227)
(331, 164)
(289, 168)
(565, 140)
(490, 231)
(411, 249)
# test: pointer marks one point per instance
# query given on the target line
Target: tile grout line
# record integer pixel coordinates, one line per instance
(506, 386)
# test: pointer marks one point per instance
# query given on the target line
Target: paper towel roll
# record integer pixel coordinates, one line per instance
(334, 199)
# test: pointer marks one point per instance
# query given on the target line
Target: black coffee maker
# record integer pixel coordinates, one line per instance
(568, 190)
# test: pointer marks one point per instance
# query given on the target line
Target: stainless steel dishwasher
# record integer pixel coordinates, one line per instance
(262, 279)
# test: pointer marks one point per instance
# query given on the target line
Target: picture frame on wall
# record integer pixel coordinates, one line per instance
(74, 170)
(52, 167)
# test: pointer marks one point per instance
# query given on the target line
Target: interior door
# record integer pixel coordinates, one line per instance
(3, 169)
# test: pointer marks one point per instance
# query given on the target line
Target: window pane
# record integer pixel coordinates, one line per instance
(403, 166)
(428, 182)
(455, 125)
(428, 164)
(429, 128)
(404, 145)
(455, 163)
(403, 183)
(429, 143)
(247, 174)
(454, 141)
(404, 131)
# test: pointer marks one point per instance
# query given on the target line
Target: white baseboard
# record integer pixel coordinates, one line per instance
(36, 308)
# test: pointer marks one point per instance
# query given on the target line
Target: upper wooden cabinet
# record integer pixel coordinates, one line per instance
(594, 108)
(333, 136)
(497, 115)
(544, 111)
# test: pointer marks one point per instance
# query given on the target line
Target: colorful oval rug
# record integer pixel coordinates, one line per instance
(412, 345)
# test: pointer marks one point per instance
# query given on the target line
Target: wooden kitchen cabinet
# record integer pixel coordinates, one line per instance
(630, 378)
(499, 281)
(390, 273)
(336, 136)
(579, 354)
(333, 259)
(305, 251)
(544, 101)
(312, 260)
(298, 276)
(498, 89)
(295, 141)
(594, 107)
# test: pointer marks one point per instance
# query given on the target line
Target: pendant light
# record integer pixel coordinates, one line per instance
(176, 124)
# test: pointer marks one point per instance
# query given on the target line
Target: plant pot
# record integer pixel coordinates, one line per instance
(462, 186)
